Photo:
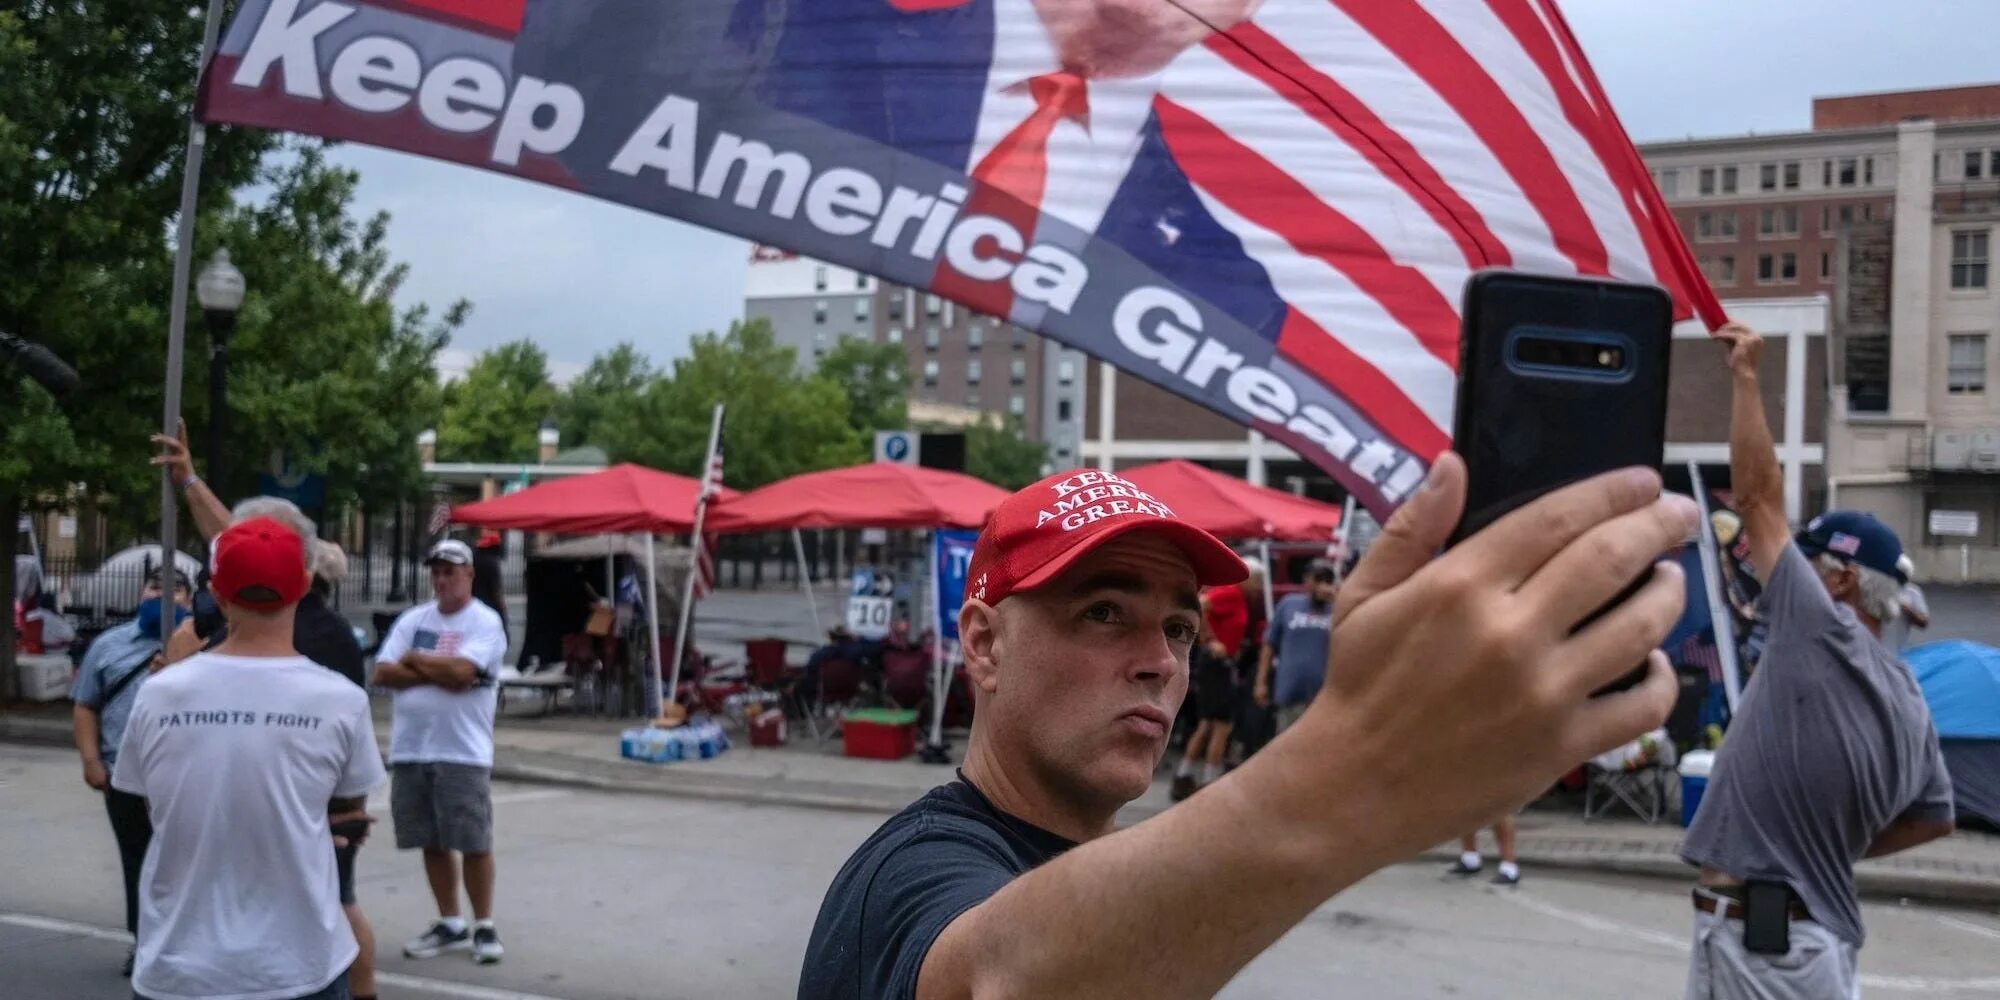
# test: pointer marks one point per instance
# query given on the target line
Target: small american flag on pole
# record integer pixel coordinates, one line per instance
(440, 518)
(711, 486)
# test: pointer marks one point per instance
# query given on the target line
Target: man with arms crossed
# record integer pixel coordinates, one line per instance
(1831, 757)
(1456, 692)
(241, 753)
(443, 661)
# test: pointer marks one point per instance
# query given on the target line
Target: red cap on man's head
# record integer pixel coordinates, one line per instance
(1036, 534)
(258, 564)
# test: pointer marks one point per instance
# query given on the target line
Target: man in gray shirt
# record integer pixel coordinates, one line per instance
(1831, 757)
(1296, 643)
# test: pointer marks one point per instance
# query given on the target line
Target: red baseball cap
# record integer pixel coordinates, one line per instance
(1036, 534)
(258, 564)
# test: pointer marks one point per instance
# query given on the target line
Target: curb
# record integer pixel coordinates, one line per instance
(1872, 884)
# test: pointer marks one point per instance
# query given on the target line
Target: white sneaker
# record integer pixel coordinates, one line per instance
(438, 940)
(486, 949)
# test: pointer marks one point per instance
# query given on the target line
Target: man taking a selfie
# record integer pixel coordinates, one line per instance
(1831, 757)
(1455, 676)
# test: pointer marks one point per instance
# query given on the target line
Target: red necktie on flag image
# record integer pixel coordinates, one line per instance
(1271, 212)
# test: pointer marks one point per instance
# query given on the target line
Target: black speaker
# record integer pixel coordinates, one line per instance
(942, 451)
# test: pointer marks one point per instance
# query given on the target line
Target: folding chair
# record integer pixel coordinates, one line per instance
(906, 676)
(839, 685)
(1643, 791)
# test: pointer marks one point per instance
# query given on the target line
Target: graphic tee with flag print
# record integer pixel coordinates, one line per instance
(430, 724)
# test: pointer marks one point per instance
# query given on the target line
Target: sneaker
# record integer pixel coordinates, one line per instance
(126, 969)
(438, 940)
(486, 948)
(1461, 869)
(1183, 787)
(1504, 878)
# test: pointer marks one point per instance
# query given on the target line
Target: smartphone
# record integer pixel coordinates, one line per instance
(1559, 379)
(1767, 918)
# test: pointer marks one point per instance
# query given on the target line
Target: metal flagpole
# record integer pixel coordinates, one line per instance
(934, 751)
(694, 570)
(177, 309)
(805, 583)
(1264, 552)
(1342, 538)
(655, 701)
(1720, 616)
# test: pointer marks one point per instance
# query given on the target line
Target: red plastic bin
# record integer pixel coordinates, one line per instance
(879, 733)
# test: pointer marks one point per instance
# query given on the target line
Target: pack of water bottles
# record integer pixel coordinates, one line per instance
(700, 739)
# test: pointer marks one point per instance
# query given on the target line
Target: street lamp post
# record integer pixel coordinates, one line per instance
(219, 289)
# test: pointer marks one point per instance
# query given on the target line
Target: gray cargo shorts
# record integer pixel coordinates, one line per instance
(447, 807)
(1820, 965)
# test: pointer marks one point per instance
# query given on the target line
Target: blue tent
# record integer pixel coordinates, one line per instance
(1961, 682)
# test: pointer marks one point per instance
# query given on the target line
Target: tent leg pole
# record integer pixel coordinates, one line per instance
(805, 583)
(656, 698)
(934, 750)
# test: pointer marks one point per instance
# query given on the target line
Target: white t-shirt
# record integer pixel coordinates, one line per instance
(434, 725)
(237, 758)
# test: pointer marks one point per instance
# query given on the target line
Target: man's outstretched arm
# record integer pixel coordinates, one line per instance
(1455, 693)
(1756, 480)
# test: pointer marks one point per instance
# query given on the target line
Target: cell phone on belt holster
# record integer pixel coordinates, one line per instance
(1559, 379)
(1767, 918)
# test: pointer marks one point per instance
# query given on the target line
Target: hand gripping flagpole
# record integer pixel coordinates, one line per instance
(694, 570)
(177, 309)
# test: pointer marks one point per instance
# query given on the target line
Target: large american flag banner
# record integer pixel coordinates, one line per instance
(1269, 207)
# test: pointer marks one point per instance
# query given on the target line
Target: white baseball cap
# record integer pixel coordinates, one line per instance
(452, 551)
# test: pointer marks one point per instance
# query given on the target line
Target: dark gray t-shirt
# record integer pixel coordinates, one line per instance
(1831, 744)
(1298, 637)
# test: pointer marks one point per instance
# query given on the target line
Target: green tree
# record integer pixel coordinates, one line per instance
(779, 424)
(614, 382)
(323, 366)
(876, 380)
(494, 413)
(1003, 454)
(94, 99)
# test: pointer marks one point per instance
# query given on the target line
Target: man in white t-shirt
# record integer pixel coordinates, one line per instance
(241, 754)
(443, 661)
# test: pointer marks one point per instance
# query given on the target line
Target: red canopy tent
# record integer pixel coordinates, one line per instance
(1224, 505)
(872, 495)
(622, 499)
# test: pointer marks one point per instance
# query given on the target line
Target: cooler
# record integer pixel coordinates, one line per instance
(1694, 782)
(767, 728)
(879, 733)
(44, 676)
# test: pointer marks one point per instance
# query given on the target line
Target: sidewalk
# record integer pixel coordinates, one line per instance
(583, 752)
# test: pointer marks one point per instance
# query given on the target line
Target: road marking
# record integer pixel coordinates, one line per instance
(1907, 984)
(1969, 927)
(437, 987)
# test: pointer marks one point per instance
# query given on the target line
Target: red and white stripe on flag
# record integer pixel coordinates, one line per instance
(1380, 152)
(440, 518)
(704, 561)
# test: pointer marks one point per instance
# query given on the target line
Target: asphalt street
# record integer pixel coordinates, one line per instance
(606, 896)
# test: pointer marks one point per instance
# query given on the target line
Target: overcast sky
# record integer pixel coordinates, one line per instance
(577, 275)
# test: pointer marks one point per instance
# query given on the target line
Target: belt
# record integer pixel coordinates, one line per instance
(1732, 899)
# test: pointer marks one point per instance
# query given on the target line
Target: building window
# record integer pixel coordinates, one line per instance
(819, 343)
(1868, 170)
(1728, 180)
(931, 338)
(1725, 225)
(895, 306)
(1018, 371)
(1778, 221)
(972, 400)
(819, 278)
(1974, 160)
(1704, 226)
(972, 372)
(1062, 410)
(1017, 404)
(1847, 167)
(1707, 182)
(1826, 220)
(975, 335)
(1826, 173)
(1767, 177)
(1792, 176)
(1720, 270)
(1968, 259)
(896, 334)
(861, 310)
(1670, 182)
(1066, 371)
(931, 372)
(861, 282)
(1788, 267)
(933, 305)
(1868, 373)
(1993, 163)
(1825, 266)
(1966, 371)
(819, 311)
(1715, 226)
